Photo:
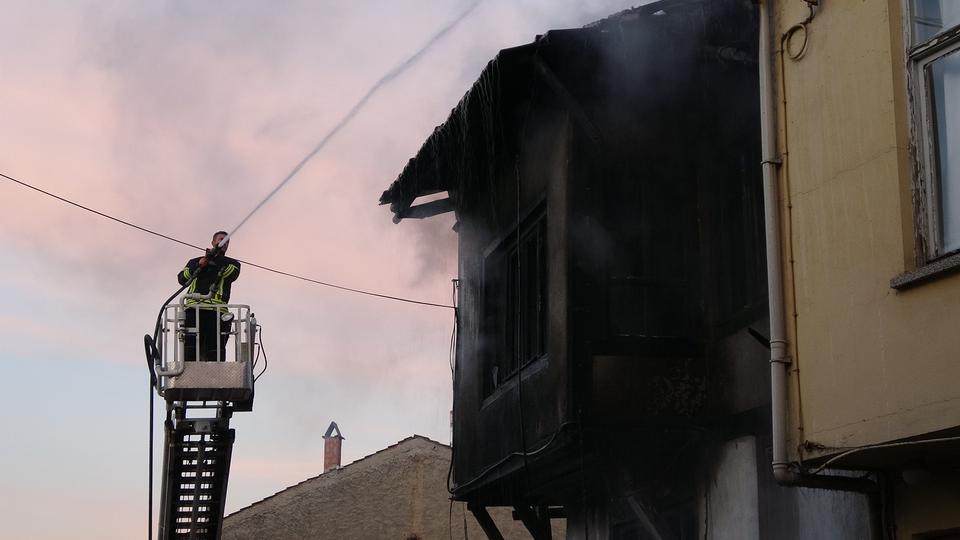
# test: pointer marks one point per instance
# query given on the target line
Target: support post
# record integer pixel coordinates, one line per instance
(486, 522)
(537, 521)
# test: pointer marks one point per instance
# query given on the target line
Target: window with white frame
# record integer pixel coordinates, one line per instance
(934, 60)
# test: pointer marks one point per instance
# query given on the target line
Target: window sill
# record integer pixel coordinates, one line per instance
(530, 369)
(928, 272)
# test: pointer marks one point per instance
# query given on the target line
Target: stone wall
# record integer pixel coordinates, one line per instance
(397, 493)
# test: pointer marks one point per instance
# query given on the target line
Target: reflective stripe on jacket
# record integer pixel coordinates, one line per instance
(219, 274)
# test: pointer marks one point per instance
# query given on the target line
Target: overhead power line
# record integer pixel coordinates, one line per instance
(343, 288)
(188, 244)
(101, 214)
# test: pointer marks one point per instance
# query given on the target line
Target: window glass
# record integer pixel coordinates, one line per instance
(945, 81)
(515, 302)
(931, 17)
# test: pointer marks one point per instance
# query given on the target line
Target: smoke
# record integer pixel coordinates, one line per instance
(159, 113)
(435, 242)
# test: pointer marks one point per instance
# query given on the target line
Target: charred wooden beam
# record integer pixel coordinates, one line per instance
(580, 116)
(486, 522)
(425, 210)
(536, 520)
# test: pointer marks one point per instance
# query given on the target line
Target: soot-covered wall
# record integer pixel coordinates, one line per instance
(626, 154)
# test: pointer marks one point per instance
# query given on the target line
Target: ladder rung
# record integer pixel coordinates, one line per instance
(196, 475)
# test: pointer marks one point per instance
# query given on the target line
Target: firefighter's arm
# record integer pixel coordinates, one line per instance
(231, 272)
(189, 271)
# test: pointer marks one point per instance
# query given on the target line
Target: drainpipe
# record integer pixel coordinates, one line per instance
(780, 361)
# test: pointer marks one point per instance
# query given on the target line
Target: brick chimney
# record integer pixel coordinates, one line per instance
(332, 441)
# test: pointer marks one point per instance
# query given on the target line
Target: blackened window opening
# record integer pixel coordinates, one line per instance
(515, 285)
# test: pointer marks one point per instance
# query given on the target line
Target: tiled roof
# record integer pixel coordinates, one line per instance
(347, 466)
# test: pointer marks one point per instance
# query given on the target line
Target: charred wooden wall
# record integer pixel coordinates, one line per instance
(639, 139)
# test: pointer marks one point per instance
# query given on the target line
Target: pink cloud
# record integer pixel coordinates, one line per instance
(179, 117)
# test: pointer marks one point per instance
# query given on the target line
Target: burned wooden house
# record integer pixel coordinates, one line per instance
(608, 198)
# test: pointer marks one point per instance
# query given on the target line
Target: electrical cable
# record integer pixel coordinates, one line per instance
(450, 520)
(255, 265)
(787, 36)
(150, 465)
(512, 455)
(151, 352)
(518, 332)
(583, 477)
(264, 351)
(858, 449)
(344, 288)
(453, 376)
(153, 356)
(453, 333)
(101, 214)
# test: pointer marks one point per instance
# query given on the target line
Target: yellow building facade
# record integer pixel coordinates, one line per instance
(867, 94)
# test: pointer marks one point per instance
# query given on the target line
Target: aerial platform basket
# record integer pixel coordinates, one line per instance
(227, 374)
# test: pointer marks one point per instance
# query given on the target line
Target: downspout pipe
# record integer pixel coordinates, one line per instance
(783, 471)
(779, 360)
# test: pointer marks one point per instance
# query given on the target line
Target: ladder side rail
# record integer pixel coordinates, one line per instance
(218, 333)
(195, 331)
(166, 526)
(229, 435)
(236, 323)
(251, 335)
(240, 323)
(192, 333)
(166, 368)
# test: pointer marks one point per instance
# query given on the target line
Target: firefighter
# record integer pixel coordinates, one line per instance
(215, 273)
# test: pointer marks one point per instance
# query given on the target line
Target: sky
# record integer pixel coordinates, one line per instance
(181, 116)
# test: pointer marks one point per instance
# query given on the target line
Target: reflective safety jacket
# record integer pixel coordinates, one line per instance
(219, 274)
